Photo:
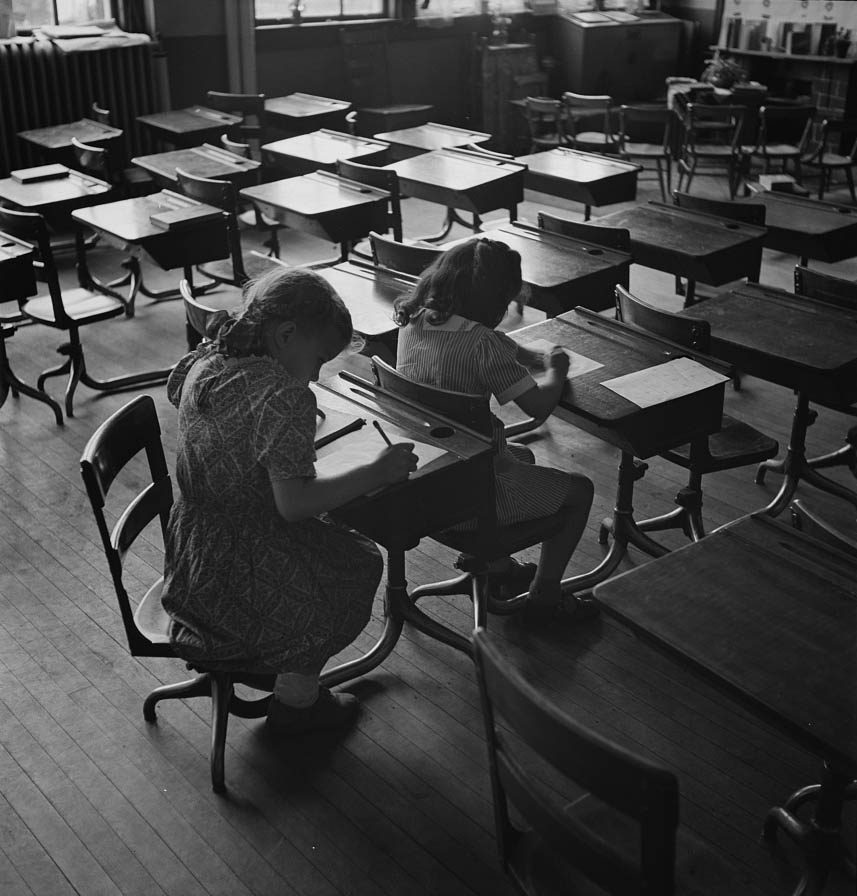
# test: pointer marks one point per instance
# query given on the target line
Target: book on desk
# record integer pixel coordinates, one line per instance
(39, 173)
(187, 216)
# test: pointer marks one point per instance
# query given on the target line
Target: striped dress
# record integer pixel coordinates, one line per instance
(466, 356)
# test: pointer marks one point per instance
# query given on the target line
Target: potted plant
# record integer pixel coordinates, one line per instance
(723, 72)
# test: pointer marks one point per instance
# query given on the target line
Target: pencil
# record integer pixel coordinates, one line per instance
(377, 426)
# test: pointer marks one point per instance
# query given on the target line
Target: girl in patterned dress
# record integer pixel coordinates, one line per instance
(448, 339)
(257, 578)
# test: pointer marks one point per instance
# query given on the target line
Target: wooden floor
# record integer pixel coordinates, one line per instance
(95, 801)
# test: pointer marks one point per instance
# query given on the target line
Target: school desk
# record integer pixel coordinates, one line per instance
(584, 177)
(562, 271)
(323, 204)
(604, 349)
(189, 127)
(690, 244)
(54, 197)
(459, 179)
(767, 615)
(800, 343)
(808, 228)
(321, 150)
(201, 161)
(127, 225)
(300, 113)
(449, 490)
(54, 141)
(408, 142)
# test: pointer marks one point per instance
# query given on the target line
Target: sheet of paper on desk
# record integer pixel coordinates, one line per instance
(362, 447)
(579, 364)
(655, 385)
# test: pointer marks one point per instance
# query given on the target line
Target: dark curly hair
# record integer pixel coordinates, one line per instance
(282, 294)
(476, 279)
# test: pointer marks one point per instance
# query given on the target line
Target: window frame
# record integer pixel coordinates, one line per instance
(387, 12)
(112, 13)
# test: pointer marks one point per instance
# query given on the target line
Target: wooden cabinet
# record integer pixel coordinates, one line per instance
(627, 60)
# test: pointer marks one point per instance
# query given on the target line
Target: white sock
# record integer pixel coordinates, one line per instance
(296, 690)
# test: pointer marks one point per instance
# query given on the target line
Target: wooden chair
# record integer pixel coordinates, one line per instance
(592, 123)
(712, 136)
(133, 179)
(131, 431)
(198, 312)
(618, 238)
(488, 541)
(240, 266)
(235, 147)
(367, 72)
(812, 524)
(575, 812)
(251, 108)
(736, 445)
(783, 137)
(645, 135)
(546, 120)
(828, 156)
(835, 291)
(382, 179)
(407, 258)
(68, 310)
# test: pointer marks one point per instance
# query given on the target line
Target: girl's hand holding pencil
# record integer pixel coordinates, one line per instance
(395, 462)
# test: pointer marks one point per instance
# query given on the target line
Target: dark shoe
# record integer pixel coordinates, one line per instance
(569, 609)
(512, 581)
(329, 711)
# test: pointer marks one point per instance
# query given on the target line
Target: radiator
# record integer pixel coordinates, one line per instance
(40, 85)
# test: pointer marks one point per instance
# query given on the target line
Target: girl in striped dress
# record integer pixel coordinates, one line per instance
(448, 339)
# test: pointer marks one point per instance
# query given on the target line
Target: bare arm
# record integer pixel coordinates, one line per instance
(300, 499)
(540, 401)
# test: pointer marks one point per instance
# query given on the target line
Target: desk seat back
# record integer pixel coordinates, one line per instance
(618, 238)
(745, 212)
(695, 334)
(406, 258)
(827, 288)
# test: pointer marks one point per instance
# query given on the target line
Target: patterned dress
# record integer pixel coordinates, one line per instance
(466, 356)
(246, 589)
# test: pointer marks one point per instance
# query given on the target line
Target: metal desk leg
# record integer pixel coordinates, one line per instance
(623, 527)
(794, 466)
(452, 217)
(820, 839)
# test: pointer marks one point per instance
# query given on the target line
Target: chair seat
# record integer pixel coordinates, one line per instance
(776, 149)
(509, 539)
(646, 150)
(248, 219)
(736, 445)
(151, 617)
(829, 160)
(714, 150)
(83, 306)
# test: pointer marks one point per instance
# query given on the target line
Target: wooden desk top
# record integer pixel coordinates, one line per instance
(17, 276)
(797, 342)
(369, 293)
(68, 192)
(621, 350)
(450, 489)
(202, 161)
(808, 227)
(195, 123)
(690, 244)
(554, 262)
(127, 225)
(314, 194)
(324, 148)
(304, 105)
(765, 612)
(581, 176)
(59, 136)
(431, 136)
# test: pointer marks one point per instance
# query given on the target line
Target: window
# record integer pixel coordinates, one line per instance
(270, 11)
(33, 13)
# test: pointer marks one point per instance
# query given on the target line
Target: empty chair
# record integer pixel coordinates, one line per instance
(68, 310)
(133, 179)
(251, 108)
(408, 258)
(134, 431)
(618, 238)
(783, 137)
(545, 119)
(836, 150)
(711, 136)
(737, 444)
(840, 292)
(240, 266)
(575, 812)
(382, 179)
(592, 122)
(645, 135)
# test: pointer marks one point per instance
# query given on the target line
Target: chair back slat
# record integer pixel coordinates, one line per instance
(381, 179)
(634, 787)
(695, 334)
(833, 290)
(745, 212)
(648, 123)
(618, 238)
(405, 258)
(808, 522)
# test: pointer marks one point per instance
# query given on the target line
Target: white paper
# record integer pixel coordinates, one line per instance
(362, 447)
(655, 385)
(578, 364)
